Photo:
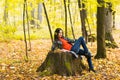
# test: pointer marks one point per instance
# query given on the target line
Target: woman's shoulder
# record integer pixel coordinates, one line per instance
(56, 41)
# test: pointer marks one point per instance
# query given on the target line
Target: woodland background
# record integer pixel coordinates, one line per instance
(17, 17)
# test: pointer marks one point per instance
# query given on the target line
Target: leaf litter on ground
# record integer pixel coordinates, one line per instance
(13, 66)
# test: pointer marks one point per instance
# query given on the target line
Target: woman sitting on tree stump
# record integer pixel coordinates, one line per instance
(60, 42)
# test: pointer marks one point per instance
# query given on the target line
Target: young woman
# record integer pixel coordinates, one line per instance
(60, 42)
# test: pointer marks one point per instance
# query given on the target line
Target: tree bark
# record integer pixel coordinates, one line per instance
(28, 27)
(114, 19)
(61, 63)
(101, 51)
(25, 30)
(39, 14)
(110, 42)
(5, 18)
(48, 22)
(32, 22)
(83, 16)
(65, 18)
(71, 19)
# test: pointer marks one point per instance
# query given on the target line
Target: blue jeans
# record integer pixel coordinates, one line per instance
(76, 49)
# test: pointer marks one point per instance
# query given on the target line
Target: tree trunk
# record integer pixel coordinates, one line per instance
(114, 19)
(71, 19)
(61, 63)
(48, 22)
(32, 22)
(39, 14)
(101, 51)
(5, 18)
(65, 18)
(83, 16)
(110, 42)
(25, 30)
(28, 27)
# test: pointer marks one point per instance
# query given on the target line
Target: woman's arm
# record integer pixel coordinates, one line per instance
(70, 40)
(56, 45)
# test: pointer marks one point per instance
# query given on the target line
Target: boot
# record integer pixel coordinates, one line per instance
(92, 70)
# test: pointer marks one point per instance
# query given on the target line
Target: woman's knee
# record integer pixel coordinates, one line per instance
(81, 38)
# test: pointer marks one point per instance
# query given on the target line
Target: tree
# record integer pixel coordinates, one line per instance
(71, 22)
(32, 15)
(5, 18)
(101, 51)
(48, 21)
(61, 63)
(65, 17)
(24, 6)
(110, 42)
(83, 16)
(39, 13)
(28, 27)
(113, 13)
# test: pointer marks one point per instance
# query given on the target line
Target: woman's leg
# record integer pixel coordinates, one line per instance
(77, 44)
(81, 52)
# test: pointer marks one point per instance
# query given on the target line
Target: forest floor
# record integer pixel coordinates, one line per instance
(14, 67)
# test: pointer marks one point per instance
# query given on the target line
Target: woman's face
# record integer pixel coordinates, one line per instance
(60, 34)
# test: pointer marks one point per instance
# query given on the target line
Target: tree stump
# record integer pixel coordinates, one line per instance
(61, 63)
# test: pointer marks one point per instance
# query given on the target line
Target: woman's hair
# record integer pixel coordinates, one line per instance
(56, 33)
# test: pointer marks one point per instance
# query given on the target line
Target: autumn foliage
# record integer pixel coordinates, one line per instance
(13, 66)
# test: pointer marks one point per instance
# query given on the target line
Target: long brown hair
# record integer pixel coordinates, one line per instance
(56, 33)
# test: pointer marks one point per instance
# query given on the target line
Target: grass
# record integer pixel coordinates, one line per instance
(19, 35)
(42, 33)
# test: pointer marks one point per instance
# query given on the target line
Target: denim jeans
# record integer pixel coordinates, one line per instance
(76, 49)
